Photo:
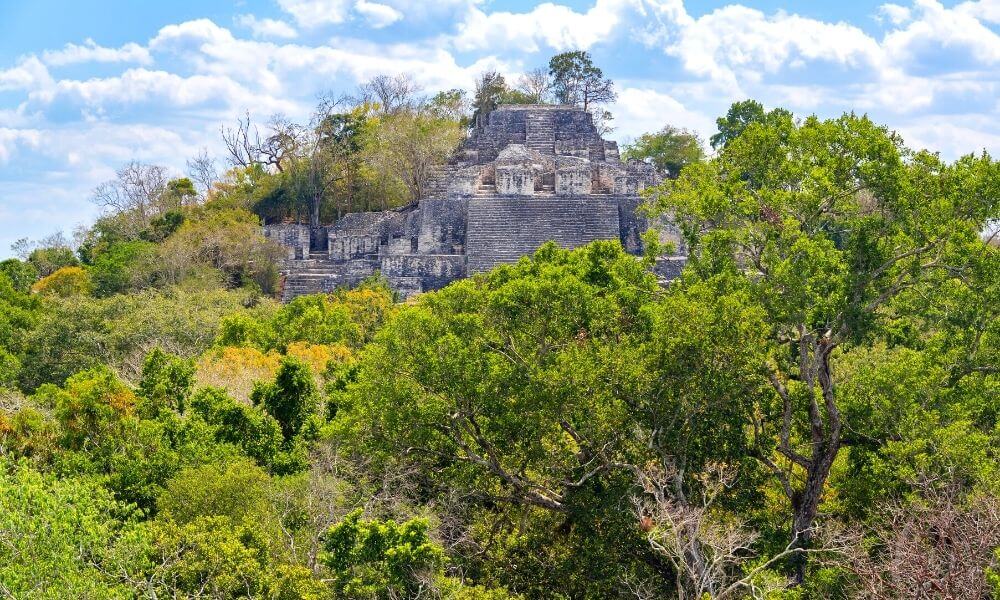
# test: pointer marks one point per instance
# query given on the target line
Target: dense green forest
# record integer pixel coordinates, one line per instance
(812, 410)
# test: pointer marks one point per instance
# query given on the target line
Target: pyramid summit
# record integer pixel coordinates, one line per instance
(529, 174)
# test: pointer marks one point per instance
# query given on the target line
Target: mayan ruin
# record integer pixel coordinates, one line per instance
(531, 174)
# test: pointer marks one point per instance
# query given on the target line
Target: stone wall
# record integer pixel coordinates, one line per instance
(632, 223)
(433, 270)
(442, 223)
(293, 237)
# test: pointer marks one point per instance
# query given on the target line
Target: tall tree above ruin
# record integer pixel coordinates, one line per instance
(490, 88)
(576, 80)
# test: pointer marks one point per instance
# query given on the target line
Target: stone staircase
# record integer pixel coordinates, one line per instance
(486, 190)
(437, 181)
(319, 274)
(503, 229)
(540, 131)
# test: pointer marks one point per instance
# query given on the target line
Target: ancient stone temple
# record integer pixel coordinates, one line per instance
(529, 175)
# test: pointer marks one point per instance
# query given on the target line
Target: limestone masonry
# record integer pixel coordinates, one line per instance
(531, 174)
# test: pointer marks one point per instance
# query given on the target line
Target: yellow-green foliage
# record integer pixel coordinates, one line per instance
(237, 368)
(67, 281)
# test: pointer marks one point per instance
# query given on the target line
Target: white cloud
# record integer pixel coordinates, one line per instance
(189, 36)
(985, 10)
(90, 51)
(10, 139)
(142, 85)
(378, 15)
(736, 43)
(939, 28)
(953, 135)
(29, 74)
(315, 13)
(267, 28)
(552, 25)
(896, 14)
(640, 110)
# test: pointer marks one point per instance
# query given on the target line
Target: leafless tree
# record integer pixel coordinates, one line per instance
(936, 547)
(135, 196)
(602, 121)
(711, 551)
(392, 93)
(247, 148)
(202, 171)
(537, 85)
(23, 247)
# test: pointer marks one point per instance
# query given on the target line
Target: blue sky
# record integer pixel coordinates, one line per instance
(86, 86)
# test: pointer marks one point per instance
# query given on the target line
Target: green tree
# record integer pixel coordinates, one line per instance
(740, 116)
(21, 274)
(407, 144)
(18, 314)
(370, 559)
(291, 399)
(555, 384)
(217, 558)
(56, 534)
(237, 489)
(825, 224)
(179, 193)
(162, 226)
(49, 259)
(79, 333)
(100, 434)
(576, 80)
(669, 150)
(166, 382)
(123, 267)
(257, 434)
(490, 89)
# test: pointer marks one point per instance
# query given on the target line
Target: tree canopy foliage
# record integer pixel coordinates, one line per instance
(669, 150)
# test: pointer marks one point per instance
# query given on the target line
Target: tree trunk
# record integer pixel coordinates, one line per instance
(314, 211)
(826, 442)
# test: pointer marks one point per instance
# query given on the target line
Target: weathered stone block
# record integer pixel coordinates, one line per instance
(515, 180)
(573, 176)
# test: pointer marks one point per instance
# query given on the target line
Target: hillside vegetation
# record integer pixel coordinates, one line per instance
(809, 411)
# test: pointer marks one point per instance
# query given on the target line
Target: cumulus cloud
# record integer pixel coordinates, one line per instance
(641, 110)
(896, 14)
(144, 85)
(90, 51)
(315, 13)
(938, 29)
(267, 28)
(551, 25)
(735, 43)
(29, 74)
(378, 15)
(952, 135)
(985, 10)
(10, 139)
